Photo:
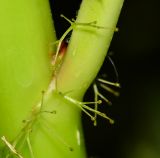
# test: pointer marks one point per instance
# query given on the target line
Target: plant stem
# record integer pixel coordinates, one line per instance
(26, 33)
(88, 45)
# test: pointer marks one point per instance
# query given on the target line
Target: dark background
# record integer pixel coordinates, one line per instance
(136, 132)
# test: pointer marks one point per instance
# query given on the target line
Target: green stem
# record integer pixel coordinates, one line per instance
(26, 34)
(88, 45)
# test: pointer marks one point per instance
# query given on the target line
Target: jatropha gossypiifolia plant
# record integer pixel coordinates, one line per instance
(43, 80)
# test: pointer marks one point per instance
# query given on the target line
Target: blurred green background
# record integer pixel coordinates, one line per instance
(136, 47)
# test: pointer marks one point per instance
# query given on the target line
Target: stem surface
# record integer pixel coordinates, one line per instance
(88, 45)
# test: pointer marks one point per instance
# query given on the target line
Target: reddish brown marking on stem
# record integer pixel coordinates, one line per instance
(63, 48)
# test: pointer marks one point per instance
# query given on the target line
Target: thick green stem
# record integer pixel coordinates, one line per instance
(88, 45)
(26, 35)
